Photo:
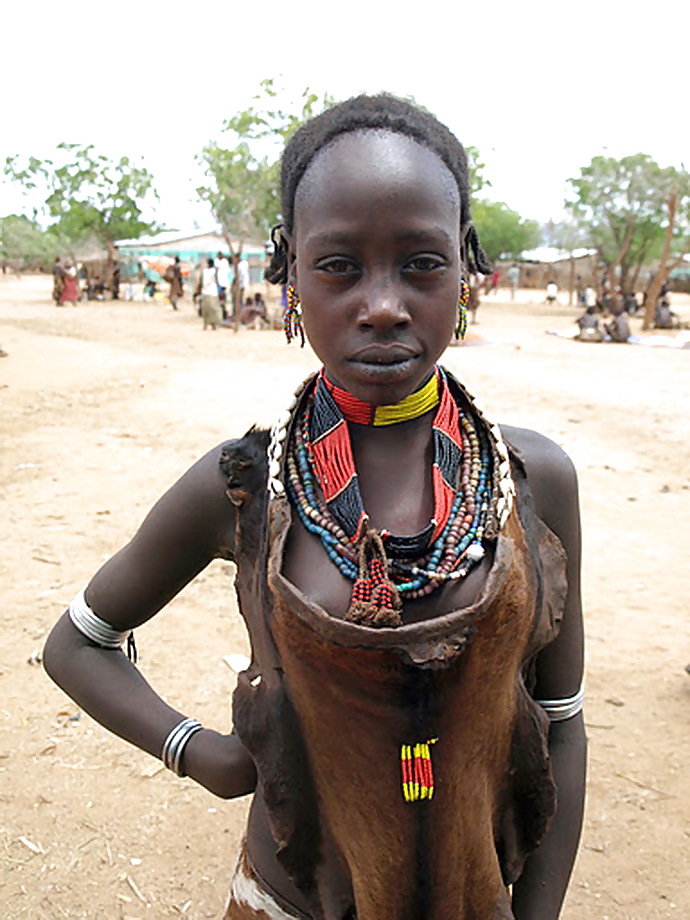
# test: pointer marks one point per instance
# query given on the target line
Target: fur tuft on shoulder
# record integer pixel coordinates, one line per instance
(243, 462)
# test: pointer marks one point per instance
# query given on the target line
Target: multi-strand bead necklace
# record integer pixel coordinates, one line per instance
(472, 494)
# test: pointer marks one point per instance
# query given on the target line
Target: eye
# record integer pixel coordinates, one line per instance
(425, 263)
(337, 265)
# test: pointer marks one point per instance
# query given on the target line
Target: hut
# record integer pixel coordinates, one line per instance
(567, 269)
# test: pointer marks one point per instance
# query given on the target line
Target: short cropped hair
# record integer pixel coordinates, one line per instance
(382, 112)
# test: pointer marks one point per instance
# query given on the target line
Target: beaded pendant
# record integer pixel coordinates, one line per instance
(473, 492)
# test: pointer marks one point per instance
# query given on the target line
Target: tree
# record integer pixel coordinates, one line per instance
(475, 167)
(623, 205)
(88, 195)
(242, 171)
(676, 236)
(23, 241)
(503, 233)
(568, 236)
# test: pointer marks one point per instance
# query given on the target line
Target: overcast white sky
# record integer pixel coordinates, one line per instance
(539, 86)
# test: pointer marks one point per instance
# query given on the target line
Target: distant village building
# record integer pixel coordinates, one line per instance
(153, 254)
(544, 264)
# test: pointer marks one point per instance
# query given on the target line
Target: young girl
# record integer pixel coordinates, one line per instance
(408, 573)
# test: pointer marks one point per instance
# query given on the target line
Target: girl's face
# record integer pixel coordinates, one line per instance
(375, 261)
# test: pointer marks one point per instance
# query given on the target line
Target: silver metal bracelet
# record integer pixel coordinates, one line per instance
(93, 627)
(176, 742)
(566, 708)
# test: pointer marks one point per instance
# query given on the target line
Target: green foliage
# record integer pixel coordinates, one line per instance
(476, 170)
(622, 206)
(242, 172)
(502, 232)
(86, 194)
(21, 240)
(566, 235)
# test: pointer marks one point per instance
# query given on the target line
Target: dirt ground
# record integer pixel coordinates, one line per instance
(104, 405)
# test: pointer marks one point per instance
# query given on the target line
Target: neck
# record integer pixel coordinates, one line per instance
(425, 398)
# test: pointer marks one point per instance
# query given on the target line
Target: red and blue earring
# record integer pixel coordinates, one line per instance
(292, 316)
(463, 300)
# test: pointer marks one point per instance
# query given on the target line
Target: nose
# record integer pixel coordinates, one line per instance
(383, 305)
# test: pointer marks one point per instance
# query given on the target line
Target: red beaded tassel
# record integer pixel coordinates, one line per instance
(375, 600)
(417, 771)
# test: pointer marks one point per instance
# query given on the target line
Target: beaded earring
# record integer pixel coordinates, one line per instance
(292, 316)
(463, 300)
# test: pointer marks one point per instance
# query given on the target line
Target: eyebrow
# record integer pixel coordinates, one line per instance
(405, 235)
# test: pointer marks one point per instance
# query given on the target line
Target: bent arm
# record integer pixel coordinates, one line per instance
(539, 892)
(189, 526)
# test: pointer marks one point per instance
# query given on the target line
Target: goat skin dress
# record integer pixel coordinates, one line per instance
(326, 704)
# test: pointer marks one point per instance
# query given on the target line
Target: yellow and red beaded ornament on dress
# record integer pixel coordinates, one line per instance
(417, 770)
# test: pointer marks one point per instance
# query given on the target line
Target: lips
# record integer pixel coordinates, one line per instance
(383, 354)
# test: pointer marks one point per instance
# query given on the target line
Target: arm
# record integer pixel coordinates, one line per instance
(539, 892)
(189, 526)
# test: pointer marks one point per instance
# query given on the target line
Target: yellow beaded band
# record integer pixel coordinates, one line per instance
(414, 405)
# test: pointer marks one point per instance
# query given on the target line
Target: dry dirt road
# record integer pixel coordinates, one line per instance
(102, 406)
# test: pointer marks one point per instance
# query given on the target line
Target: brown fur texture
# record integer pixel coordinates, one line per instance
(336, 700)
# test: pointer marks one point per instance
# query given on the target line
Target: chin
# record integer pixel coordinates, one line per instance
(382, 384)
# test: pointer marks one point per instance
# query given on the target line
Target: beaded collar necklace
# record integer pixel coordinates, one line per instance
(361, 413)
(473, 493)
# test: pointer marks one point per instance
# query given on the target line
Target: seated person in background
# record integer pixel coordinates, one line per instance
(99, 288)
(619, 328)
(631, 304)
(254, 312)
(664, 317)
(588, 325)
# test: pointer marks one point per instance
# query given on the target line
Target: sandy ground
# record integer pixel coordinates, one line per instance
(104, 405)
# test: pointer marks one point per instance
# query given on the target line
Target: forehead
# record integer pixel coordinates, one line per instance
(376, 169)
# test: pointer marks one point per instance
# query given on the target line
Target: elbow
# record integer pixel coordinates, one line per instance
(55, 653)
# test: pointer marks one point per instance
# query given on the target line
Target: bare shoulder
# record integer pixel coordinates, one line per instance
(199, 505)
(551, 476)
(192, 523)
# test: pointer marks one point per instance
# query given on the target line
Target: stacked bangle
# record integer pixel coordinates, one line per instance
(93, 627)
(176, 742)
(566, 708)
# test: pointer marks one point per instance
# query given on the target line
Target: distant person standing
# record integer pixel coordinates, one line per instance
(58, 280)
(242, 277)
(210, 303)
(580, 288)
(115, 287)
(495, 280)
(70, 287)
(474, 301)
(173, 275)
(222, 266)
(551, 292)
(514, 279)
